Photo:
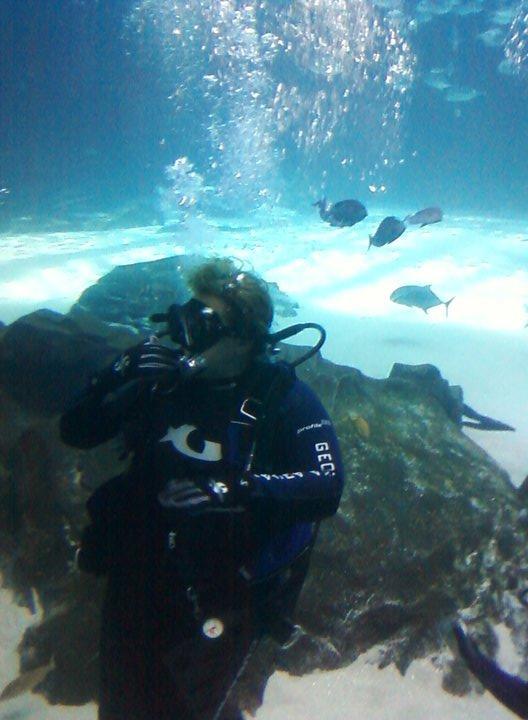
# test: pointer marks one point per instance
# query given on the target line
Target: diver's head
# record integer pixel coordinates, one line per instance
(227, 302)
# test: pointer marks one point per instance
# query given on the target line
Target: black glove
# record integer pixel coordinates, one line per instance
(149, 361)
(199, 496)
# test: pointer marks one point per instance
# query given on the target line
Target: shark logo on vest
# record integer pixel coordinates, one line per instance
(189, 441)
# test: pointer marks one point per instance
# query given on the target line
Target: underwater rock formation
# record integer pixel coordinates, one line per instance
(428, 521)
(428, 524)
(156, 285)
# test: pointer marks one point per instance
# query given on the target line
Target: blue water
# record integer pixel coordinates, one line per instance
(99, 98)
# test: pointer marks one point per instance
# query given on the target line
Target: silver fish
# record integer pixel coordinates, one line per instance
(507, 67)
(438, 82)
(504, 16)
(459, 93)
(493, 37)
(420, 296)
(438, 7)
(439, 77)
(470, 8)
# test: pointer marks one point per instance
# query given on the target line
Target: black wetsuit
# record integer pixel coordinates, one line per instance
(156, 664)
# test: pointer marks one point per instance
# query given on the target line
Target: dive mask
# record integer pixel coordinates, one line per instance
(194, 325)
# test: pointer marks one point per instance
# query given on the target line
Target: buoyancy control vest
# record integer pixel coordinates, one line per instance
(275, 574)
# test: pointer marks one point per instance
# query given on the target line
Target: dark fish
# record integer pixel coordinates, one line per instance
(344, 213)
(510, 690)
(427, 216)
(389, 230)
(420, 296)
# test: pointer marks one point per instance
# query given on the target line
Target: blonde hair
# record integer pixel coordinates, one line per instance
(245, 293)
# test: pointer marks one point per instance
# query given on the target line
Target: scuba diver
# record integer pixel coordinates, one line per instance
(510, 690)
(205, 540)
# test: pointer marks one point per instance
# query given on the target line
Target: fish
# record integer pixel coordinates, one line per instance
(389, 230)
(438, 82)
(420, 296)
(507, 67)
(504, 16)
(439, 77)
(510, 690)
(234, 228)
(427, 216)
(439, 7)
(361, 425)
(459, 93)
(493, 37)
(470, 8)
(344, 213)
(388, 4)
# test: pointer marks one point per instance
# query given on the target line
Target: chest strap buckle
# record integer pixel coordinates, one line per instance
(250, 408)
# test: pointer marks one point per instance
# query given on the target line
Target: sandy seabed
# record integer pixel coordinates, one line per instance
(359, 691)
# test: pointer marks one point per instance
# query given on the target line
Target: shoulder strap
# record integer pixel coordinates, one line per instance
(270, 384)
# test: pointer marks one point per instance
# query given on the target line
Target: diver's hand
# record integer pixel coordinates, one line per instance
(199, 496)
(149, 360)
